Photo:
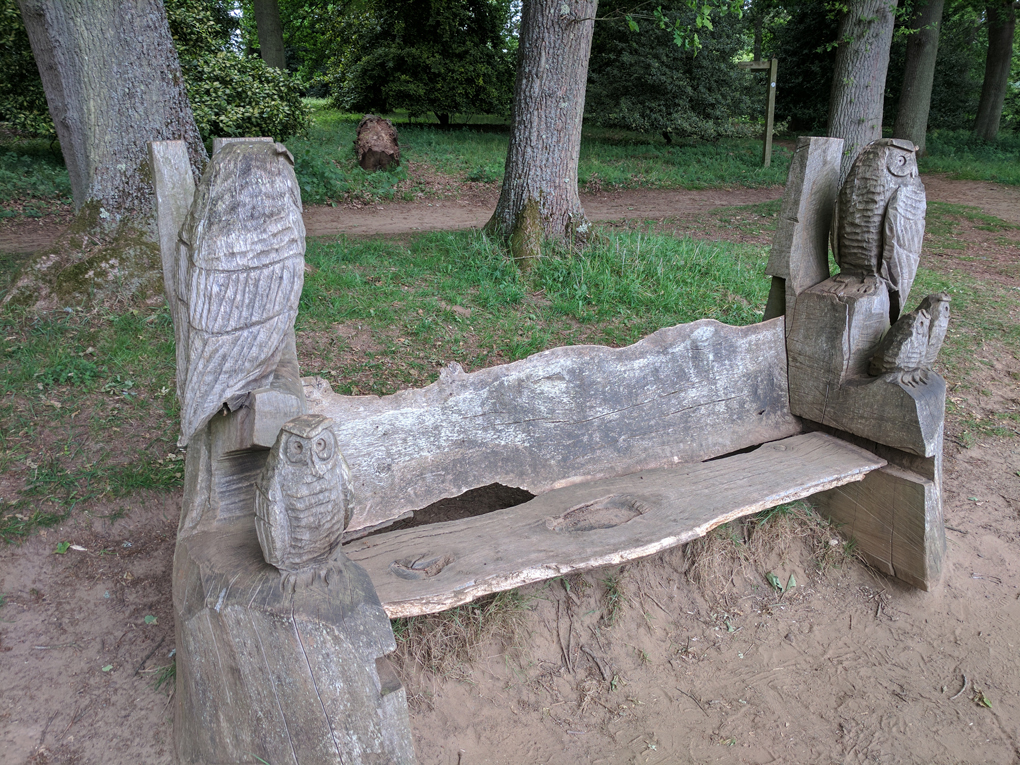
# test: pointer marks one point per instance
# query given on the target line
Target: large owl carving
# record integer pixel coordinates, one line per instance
(878, 227)
(241, 269)
(303, 497)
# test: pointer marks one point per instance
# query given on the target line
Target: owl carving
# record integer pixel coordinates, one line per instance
(912, 344)
(303, 497)
(240, 274)
(878, 225)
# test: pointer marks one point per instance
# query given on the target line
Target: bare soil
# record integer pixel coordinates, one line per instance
(688, 656)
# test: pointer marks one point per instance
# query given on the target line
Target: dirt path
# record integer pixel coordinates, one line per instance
(450, 214)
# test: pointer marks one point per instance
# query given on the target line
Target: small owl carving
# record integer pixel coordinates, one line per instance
(912, 344)
(878, 226)
(303, 497)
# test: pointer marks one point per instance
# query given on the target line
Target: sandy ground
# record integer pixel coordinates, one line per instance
(848, 667)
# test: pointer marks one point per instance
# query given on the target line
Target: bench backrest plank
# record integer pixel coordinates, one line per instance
(683, 394)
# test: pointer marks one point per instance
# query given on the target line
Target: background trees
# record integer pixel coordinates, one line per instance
(441, 56)
(642, 80)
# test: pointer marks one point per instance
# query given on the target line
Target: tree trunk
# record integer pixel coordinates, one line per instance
(270, 30)
(113, 83)
(858, 82)
(919, 74)
(539, 198)
(1001, 19)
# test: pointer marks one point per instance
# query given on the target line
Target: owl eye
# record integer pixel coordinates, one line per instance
(324, 446)
(295, 450)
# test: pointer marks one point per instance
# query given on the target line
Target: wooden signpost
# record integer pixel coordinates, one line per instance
(772, 67)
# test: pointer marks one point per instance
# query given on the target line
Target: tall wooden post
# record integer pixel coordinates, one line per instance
(772, 67)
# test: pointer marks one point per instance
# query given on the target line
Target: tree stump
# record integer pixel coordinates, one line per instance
(376, 145)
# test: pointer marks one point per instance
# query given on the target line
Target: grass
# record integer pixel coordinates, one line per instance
(33, 179)
(456, 296)
(963, 157)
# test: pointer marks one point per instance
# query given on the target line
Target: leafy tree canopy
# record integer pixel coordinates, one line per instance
(230, 94)
(646, 78)
(441, 56)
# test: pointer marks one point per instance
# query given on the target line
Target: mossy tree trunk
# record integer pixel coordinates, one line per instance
(1001, 20)
(113, 83)
(919, 73)
(270, 31)
(539, 199)
(858, 82)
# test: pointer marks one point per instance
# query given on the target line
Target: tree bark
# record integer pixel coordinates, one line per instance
(539, 198)
(270, 31)
(858, 83)
(1001, 19)
(113, 83)
(919, 74)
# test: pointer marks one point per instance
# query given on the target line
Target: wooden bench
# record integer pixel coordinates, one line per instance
(627, 452)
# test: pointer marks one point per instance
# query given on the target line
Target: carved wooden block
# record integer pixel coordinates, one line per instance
(799, 258)
(836, 331)
(682, 394)
(895, 514)
(285, 674)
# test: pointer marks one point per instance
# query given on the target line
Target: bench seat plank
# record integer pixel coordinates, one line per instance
(607, 522)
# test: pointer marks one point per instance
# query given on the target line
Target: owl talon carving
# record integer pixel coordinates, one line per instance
(303, 501)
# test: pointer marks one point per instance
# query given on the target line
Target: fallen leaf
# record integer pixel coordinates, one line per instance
(107, 668)
(150, 619)
(62, 547)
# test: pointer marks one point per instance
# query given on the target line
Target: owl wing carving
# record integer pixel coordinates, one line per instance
(242, 279)
(903, 239)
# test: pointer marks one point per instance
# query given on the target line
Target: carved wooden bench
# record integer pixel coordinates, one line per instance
(628, 451)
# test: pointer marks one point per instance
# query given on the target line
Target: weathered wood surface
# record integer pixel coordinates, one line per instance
(896, 517)
(837, 329)
(682, 394)
(898, 533)
(303, 496)
(174, 187)
(286, 674)
(879, 223)
(599, 523)
(800, 248)
(376, 143)
(241, 270)
(219, 143)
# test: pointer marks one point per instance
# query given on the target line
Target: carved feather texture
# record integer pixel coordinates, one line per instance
(303, 497)
(879, 227)
(904, 237)
(937, 306)
(904, 346)
(244, 241)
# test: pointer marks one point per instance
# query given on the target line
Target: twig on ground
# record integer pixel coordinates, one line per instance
(965, 683)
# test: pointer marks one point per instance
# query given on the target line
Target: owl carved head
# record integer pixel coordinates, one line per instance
(900, 157)
(303, 497)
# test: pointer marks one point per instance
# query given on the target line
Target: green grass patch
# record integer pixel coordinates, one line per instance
(457, 297)
(961, 156)
(33, 179)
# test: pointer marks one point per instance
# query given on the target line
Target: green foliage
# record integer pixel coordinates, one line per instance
(649, 80)
(22, 100)
(32, 170)
(959, 67)
(440, 56)
(801, 40)
(232, 95)
(961, 155)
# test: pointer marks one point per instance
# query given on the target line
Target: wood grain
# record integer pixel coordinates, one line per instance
(895, 515)
(599, 523)
(287, 674)
(563, 416)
